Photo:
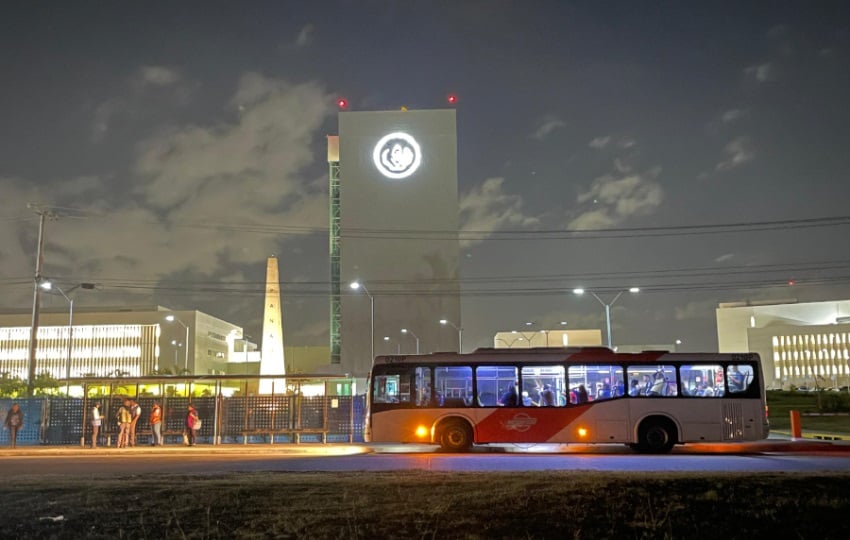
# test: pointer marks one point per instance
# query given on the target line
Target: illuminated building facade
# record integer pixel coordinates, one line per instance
(516, 339)
(393, 228)
(131, 341)
(799, 343)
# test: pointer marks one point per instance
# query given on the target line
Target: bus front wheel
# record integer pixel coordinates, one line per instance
(656, 436)
(456, 436)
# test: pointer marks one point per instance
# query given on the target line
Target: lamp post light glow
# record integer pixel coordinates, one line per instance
(172, 318)
(634, 290)
(406, 331)
(445, 322)
(356, 286)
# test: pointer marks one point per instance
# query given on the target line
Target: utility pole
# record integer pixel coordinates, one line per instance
(43, 214)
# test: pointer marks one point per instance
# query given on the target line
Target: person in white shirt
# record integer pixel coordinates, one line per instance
(95, 424)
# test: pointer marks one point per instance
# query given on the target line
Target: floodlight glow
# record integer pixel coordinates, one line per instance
(397, 155)
(169, 318)
(386, 338)
(355, 285)
(634, 290)
(578, 291)
(443, 321)
(404, 330)
(46, 285)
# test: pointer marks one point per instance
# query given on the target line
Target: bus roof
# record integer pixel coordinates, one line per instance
(573, 355)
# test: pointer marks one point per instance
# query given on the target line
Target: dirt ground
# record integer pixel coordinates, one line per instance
(429, 505)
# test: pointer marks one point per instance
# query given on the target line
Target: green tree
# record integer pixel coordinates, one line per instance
(44, 384)
(11, 386)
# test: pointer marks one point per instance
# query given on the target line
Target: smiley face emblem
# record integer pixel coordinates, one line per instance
(397, 155)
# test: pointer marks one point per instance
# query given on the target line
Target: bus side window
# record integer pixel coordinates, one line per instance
(652, 381)
(739, 377)
(701, 380)
(423, 387)
(386, 389)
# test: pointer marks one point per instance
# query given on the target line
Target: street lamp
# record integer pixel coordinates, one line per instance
(445, 322)
(172, 318)
(531, 338)
(356, 286)
(48, 285)
(633, 290)
(406, 331)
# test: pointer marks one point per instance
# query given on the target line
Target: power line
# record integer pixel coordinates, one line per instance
(488, 235)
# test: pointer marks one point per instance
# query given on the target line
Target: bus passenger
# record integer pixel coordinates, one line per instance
(604, 390)
(526, 400)
(634, 390)
(646, 386)
(736, 379)
(511, 397)
(547, 396)
(581, 394)
(658, 385)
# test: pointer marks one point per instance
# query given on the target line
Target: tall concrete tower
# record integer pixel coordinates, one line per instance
(393, 172)
(271, 361)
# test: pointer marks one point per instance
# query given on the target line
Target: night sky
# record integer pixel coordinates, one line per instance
(181, 143)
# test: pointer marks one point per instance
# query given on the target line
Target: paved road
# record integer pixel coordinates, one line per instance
(342, 458)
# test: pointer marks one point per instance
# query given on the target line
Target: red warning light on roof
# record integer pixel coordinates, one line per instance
(791, 282)
(452, 99)
(342, 103)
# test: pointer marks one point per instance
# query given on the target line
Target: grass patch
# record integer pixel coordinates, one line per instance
(429, 505)
(780, 403)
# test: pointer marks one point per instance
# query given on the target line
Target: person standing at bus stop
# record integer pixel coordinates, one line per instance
(156, 424)
(135, 413)
(14, 422)
(191, 423)
(96, 420)
(124, 419)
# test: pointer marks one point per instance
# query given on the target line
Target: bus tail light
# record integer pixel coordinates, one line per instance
(421, 432)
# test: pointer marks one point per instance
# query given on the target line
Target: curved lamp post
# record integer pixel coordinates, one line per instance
(607, 305)
(445, 322)
(173, 318)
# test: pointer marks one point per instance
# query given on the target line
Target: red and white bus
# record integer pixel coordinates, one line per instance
(650, 400)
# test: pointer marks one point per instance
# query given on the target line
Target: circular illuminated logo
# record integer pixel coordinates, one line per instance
(397, 155)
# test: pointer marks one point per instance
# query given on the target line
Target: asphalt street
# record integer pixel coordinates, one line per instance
(344, 458)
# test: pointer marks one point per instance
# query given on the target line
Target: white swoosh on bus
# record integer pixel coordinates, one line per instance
(521, 422)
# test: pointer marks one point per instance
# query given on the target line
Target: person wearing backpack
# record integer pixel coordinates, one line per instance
(124, 419)
(14, 422)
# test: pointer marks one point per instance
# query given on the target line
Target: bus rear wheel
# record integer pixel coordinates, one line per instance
(456, 436)
(656, 436)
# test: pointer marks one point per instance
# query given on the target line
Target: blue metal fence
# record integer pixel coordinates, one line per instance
(225, 420)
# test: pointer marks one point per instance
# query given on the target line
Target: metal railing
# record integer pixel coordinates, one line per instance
(290, 416)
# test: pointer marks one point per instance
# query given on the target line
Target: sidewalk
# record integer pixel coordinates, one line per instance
(304, 449)
(814, 435)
